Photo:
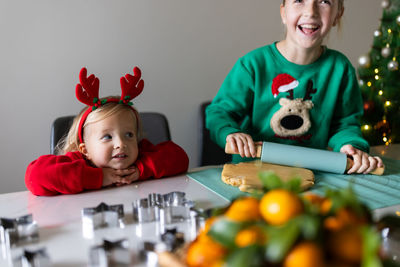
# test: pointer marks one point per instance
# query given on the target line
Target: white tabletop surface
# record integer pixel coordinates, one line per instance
(59, 217)
(60, 224)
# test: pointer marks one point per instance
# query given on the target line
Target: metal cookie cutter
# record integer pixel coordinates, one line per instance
(172, 239)
(176, 207)
(18, 231)
(168, 208)
(102, 216)
(148, 253)
(148, 209)
(161, 253)
(111, 253)
(32, 258)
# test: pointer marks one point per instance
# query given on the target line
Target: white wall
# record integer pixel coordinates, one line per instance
(185, 48)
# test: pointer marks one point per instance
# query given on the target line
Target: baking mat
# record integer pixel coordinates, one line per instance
(374, 191)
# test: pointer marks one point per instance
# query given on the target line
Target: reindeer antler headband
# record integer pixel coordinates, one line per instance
(87, 92)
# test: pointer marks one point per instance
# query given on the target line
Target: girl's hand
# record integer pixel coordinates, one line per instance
(120, 177)
(242, 144)
(363, 162)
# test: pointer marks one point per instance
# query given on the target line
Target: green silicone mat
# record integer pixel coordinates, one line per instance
(374, 191)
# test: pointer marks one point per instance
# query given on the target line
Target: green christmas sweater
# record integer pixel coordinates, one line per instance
(266, 96)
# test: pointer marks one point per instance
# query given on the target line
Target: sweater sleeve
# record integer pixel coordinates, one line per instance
(164, 159)
(65, 174)
(231, 105)
(346, 128)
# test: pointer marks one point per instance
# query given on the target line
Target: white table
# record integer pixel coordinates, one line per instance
(59, 217)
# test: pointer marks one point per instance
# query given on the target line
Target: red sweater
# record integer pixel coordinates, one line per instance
(70, 173)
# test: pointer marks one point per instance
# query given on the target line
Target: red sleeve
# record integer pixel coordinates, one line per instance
(164, 159)
(65, 174)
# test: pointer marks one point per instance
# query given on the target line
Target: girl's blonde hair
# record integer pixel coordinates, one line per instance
(71, 142)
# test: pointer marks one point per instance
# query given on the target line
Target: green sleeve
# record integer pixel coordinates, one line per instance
(231, 105)
(345, 128)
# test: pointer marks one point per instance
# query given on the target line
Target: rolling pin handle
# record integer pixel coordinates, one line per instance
(377, 171)
(229, 150)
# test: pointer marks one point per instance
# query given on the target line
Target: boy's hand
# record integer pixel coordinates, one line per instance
(363, 162)
(120, 177)
(242, 144)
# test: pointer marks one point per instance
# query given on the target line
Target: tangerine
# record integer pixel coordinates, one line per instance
(346, 244)
(250, 236)
(343, 217)
(205, 252)
(326, 206)
(305, 254)
(314, 198)
(244, 210)
(279, 205)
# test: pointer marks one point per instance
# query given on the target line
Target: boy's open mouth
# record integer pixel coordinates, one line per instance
(308, 28)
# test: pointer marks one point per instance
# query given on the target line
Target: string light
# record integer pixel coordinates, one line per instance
(376, 71)
(385, 139)
(389, 31)
(380, 92)
(388, 103)
(369, 84)
(366, 127)
(388, 142)
(376, 77)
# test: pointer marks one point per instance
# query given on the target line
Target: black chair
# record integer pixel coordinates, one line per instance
(211, 153)
(155, 128)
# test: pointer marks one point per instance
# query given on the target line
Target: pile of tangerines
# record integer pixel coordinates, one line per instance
(283, 227)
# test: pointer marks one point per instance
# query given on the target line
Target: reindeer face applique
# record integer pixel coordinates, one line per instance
(292, 120)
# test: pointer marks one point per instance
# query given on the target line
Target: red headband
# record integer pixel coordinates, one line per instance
(87, 92)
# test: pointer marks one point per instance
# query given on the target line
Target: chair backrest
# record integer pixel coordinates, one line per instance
(211, 153)
(155, 128)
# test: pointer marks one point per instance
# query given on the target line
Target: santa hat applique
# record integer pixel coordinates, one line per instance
(283, 83)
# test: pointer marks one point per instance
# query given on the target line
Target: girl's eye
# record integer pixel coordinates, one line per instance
(326, 2)
(130, 134)
(297, 1)
(106, 137)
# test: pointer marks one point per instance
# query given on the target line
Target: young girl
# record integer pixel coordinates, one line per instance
(295, 91)
(103, 146)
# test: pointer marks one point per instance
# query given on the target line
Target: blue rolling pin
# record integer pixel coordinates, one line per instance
(304, 157)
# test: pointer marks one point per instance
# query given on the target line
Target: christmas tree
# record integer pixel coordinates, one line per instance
(379, 79)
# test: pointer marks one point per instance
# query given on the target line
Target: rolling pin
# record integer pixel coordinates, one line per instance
(304, 157)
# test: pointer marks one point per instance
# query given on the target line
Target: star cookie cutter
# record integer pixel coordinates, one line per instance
(32, 258)
(102, 216)
(18, 231)
(111, 253)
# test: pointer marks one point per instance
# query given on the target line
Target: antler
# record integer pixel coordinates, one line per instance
(310, 90)
(87, 91)
(131, 86)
